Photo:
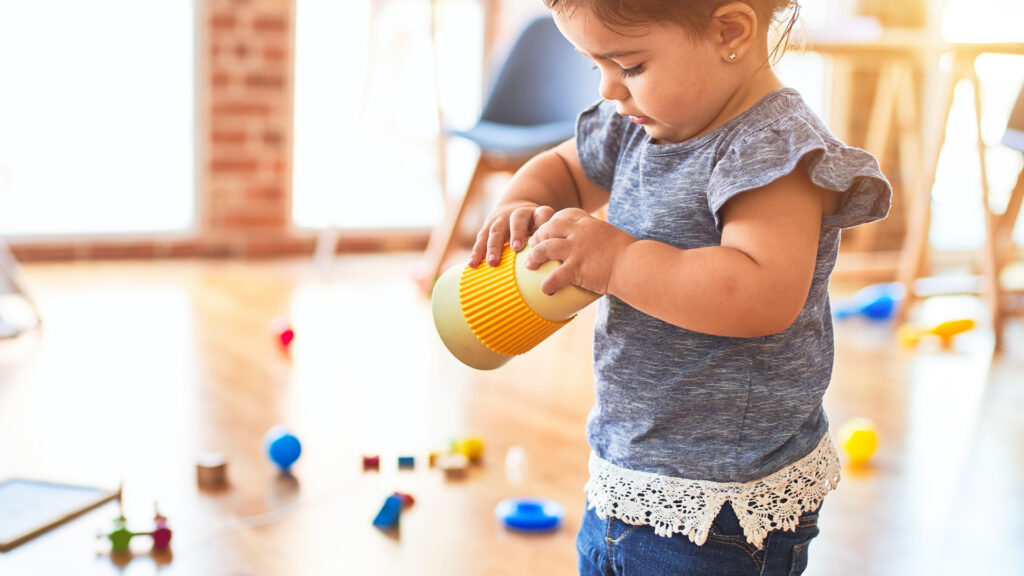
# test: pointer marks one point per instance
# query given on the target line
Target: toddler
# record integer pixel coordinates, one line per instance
(713, 347)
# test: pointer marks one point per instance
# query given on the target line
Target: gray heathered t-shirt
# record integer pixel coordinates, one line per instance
(690, 405)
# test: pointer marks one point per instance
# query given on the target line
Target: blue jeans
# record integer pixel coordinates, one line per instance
(614, 547)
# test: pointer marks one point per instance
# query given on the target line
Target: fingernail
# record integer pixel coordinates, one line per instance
(517, 245)
(493, 259)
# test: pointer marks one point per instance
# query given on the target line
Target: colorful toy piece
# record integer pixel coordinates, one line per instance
(121, 537)
(406, 462)
(389, 513)
(875, 302)
(282, 447)
(453, 465)
(212, 471)
(910, 336)
(281, 329)
(407, 499)
(488, 315)
(859, 439)
(530, 514)
(472, 448)
(371, 462)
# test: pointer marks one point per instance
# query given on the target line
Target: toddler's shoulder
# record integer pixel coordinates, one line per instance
(782, 134)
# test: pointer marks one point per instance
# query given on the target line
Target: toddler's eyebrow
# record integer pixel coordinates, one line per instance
(611, 55)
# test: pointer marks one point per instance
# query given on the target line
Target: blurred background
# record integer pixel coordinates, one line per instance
(174, 176)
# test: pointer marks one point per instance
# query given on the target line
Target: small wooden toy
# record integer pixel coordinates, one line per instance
(281, 329)
(211, 471)
(389, 513)
(371, 463)
(406, 462)
(282, 447)
(910, 336)
(859, 439)
(453, 465)
(530, 514)
(121, 537)
(432, 459)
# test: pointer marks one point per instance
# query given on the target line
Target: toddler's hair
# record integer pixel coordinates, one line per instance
(693, 15)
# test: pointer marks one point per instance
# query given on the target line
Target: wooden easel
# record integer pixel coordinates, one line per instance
(998, 246)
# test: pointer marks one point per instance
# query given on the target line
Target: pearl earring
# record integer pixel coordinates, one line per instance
(732, 56)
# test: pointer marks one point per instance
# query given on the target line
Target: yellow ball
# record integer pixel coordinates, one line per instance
(859, 438)
(472, 448)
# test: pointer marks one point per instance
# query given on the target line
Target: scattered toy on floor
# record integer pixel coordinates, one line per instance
(211, 471)
(859, 439)
(453, 465)
(281, 329)
(121, 537)
(389, 513)
(371, 462)
(282, 447)
(875, 302)
(910, 335)
(530, 514)
(472, 448)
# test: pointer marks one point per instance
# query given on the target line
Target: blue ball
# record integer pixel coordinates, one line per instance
(283, 448)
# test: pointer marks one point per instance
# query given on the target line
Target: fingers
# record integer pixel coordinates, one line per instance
(479, 247)
(541, 215)
(553, 249)
(558, 278)
(558, 225)
(496, 241)
(519, 227)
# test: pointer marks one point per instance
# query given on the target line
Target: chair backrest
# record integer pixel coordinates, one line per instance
(543, 79)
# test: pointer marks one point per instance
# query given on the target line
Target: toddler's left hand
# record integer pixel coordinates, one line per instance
(586, 246)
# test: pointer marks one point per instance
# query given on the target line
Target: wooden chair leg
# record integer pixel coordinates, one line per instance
(915, 243)
(990, 257)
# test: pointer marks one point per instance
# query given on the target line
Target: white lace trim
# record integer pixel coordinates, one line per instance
(676, 505)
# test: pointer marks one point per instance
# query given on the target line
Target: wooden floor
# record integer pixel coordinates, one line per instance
(142, 366)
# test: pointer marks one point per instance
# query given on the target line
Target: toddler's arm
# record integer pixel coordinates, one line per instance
(549, 182)
(755, 283)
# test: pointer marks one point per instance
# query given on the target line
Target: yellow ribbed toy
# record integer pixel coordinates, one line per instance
(496, 312)
(489, 314)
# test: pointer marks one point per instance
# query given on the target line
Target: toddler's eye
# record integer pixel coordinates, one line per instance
(631, 72)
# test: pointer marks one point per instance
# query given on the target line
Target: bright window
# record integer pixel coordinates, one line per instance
(366, 120)
(96, 117)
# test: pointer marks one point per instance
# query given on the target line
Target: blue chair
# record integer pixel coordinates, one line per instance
(532, 105)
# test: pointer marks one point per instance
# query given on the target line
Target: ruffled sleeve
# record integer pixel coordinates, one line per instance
(599, 136)
(759, 157)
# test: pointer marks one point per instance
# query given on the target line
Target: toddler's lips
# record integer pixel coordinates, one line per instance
(638, 119)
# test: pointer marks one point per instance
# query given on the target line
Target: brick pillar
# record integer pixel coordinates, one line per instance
(244, 194)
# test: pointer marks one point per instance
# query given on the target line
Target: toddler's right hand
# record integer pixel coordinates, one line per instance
(511, 222)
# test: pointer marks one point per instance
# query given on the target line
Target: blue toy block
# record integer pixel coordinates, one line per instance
(389, 513)
(406, 462)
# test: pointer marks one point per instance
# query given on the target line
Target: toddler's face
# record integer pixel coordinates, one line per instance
(664, 78)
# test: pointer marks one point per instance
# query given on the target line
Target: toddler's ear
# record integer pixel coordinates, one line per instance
(734, 26)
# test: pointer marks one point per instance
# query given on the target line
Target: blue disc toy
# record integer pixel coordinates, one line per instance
(283, 448)
(530, 514)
